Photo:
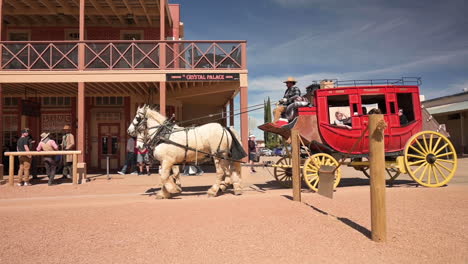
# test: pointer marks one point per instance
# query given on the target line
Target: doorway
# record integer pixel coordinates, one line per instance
(109, 138)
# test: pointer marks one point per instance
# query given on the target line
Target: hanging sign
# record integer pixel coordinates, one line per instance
(202, 77)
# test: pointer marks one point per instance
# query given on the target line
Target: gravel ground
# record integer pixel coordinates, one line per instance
(113, 221)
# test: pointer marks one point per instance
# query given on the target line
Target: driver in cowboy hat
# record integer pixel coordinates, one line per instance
(290, 94)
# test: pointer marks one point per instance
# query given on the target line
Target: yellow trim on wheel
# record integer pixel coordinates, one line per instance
(430, 159)
(312, 166)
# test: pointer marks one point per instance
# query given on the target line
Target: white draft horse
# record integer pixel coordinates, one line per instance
(209, 138)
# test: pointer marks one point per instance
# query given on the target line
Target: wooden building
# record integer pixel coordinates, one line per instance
(90, 63)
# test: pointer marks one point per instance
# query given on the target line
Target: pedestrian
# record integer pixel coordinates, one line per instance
(252, 146)
(130, 162)
(48, 144)
(68, 143)
(24, 160)
(33, 170)
(143, 160)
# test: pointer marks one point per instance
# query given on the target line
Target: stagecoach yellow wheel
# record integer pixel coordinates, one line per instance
(312, 166)
(283, 172)
(430, 159)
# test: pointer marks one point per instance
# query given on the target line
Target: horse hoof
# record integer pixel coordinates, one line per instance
(212, 193)
(223, 188)
(238, 192)
(160, 196)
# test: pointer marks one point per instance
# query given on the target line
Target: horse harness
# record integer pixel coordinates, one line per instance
(166, 129)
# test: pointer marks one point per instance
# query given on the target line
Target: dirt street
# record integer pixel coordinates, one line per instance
(115, 221)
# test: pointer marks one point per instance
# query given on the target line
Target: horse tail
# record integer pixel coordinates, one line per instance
(236, 149)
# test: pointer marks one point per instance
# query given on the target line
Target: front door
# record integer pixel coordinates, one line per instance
(109, 138)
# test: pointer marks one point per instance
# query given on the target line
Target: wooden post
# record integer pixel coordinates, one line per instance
(296, 165)
(377, 178)
(75, 174)
(11, 176)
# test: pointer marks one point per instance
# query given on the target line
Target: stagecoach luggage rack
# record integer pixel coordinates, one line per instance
(346, 83)
(401, 81)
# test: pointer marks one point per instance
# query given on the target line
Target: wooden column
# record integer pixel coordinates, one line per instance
(81, 121)
(1, 34)
(224, 115)
(162, 98)
(162, 20)
(296, 165)
(231, 112)
(81, 47)
(244, 118)
(377, 178)
(1, 121)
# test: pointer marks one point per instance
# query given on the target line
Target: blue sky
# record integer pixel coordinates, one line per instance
(338, 39)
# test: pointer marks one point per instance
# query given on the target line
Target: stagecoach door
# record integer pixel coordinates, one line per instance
(109, 140)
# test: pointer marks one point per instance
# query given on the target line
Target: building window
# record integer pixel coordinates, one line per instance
(375, 101)
(109, 100)
(56, 101)
(19, 35)
(10, 134)
(10, 101)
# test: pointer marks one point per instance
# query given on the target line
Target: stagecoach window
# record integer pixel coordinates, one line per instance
(374, 101)
(338, 103)
(405, 102)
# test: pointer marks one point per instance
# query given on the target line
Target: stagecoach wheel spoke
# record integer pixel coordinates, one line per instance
(436, 157)
(283, 175)
(312, 166)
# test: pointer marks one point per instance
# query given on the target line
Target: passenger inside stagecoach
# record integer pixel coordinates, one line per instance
(342, 120)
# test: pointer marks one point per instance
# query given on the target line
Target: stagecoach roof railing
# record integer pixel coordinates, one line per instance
(402, 81)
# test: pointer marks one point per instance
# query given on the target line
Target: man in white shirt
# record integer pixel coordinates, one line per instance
(131, 157)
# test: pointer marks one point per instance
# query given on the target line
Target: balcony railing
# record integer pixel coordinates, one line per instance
(122, 55)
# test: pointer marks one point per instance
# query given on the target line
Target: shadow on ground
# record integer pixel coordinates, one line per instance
(361, 229)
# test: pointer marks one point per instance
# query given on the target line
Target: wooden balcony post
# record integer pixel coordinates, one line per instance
(81, 120)
(162, 20)
(81, 47)
(1, 117)
(162, 98)
(1, 33)
(244, 56)
(244, 126)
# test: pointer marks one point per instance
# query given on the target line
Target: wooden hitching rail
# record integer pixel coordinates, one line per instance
(42, 153)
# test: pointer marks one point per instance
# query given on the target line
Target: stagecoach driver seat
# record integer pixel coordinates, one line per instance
(291, 100)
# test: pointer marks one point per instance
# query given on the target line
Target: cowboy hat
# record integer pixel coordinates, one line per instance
(252, 135)
(290, 79)
(44, 135)
(66, 127)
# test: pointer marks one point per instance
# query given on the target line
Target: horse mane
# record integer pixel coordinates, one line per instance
(154, 114)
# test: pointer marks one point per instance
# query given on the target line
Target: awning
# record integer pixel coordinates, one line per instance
(448, 108)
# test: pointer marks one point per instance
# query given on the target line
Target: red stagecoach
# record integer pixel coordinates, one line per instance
(415, 143)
